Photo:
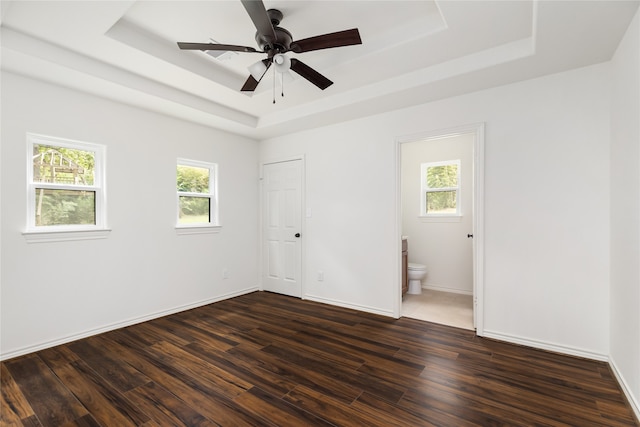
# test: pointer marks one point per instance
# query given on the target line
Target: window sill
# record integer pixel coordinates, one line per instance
(65, 235)
(198, 229)
(441, 218)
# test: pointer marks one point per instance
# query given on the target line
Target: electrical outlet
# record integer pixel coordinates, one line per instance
(320, 275)
(225, 273)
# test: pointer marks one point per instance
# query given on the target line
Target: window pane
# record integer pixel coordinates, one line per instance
(65, 207)
(442, 176)
(441, 202)
(192, 179)
(194, 210)
(63, 165)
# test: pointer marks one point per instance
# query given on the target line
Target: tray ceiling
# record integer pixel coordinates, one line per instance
(412, 52)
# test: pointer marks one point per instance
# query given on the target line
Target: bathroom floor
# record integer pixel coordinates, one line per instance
(440, 307)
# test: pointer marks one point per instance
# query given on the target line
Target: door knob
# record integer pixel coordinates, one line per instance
(469, 236)
(297, 234)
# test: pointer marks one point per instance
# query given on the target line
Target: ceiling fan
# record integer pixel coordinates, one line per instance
(275, 41)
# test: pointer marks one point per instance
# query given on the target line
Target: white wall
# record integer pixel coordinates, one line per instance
(546, 207)
(625, 212)
(55, 291)
(441, 244)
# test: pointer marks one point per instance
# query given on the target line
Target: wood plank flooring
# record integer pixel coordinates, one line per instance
(268, 360)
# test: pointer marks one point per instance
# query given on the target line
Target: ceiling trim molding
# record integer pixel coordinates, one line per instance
(50, 55)
(137, 38)
(467, 64)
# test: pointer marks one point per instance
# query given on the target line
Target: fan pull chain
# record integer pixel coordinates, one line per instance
(282, 85)
(274, 84)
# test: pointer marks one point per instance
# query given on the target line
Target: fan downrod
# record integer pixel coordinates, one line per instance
(275, 16)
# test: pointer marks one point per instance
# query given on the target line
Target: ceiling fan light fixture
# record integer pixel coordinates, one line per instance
(257, 70)
(281, 62)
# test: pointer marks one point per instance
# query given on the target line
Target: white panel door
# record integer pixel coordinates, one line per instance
(281, 225)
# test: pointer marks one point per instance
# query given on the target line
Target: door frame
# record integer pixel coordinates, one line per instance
(303, 187)
(478, 214)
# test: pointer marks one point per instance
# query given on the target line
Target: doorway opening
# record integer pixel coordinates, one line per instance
(440, 225)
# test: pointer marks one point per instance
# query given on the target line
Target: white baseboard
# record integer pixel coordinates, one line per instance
(633, 400)
(439, 288)
(48, 344)
(544, 345)
(374, 310)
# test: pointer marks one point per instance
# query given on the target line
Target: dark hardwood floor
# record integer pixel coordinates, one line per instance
(266, 359)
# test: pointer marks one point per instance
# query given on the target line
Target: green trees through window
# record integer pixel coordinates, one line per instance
(442, 177)
(440, 188)
(63, 180)
(195, 183)
(192, 179)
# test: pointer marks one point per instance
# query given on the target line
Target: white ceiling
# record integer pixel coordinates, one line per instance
(412, 52)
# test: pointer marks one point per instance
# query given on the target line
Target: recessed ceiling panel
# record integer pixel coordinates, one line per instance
(382, 24)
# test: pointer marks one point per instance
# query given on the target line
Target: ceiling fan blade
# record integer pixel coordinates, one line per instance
(325, 41)
(310, 74)
(216, 46)
(251, 83)
(260, 18)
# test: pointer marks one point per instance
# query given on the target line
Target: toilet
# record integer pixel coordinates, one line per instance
(416, 273)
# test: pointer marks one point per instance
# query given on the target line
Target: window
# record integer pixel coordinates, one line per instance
(196, 183)
(65, 185)
(440, 189)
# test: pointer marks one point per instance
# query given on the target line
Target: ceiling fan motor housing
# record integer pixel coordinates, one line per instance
(281, 44)
(283, 40)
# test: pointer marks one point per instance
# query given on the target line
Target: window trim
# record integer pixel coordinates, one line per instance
(64, 232)
(213, 226)
(424, 189)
